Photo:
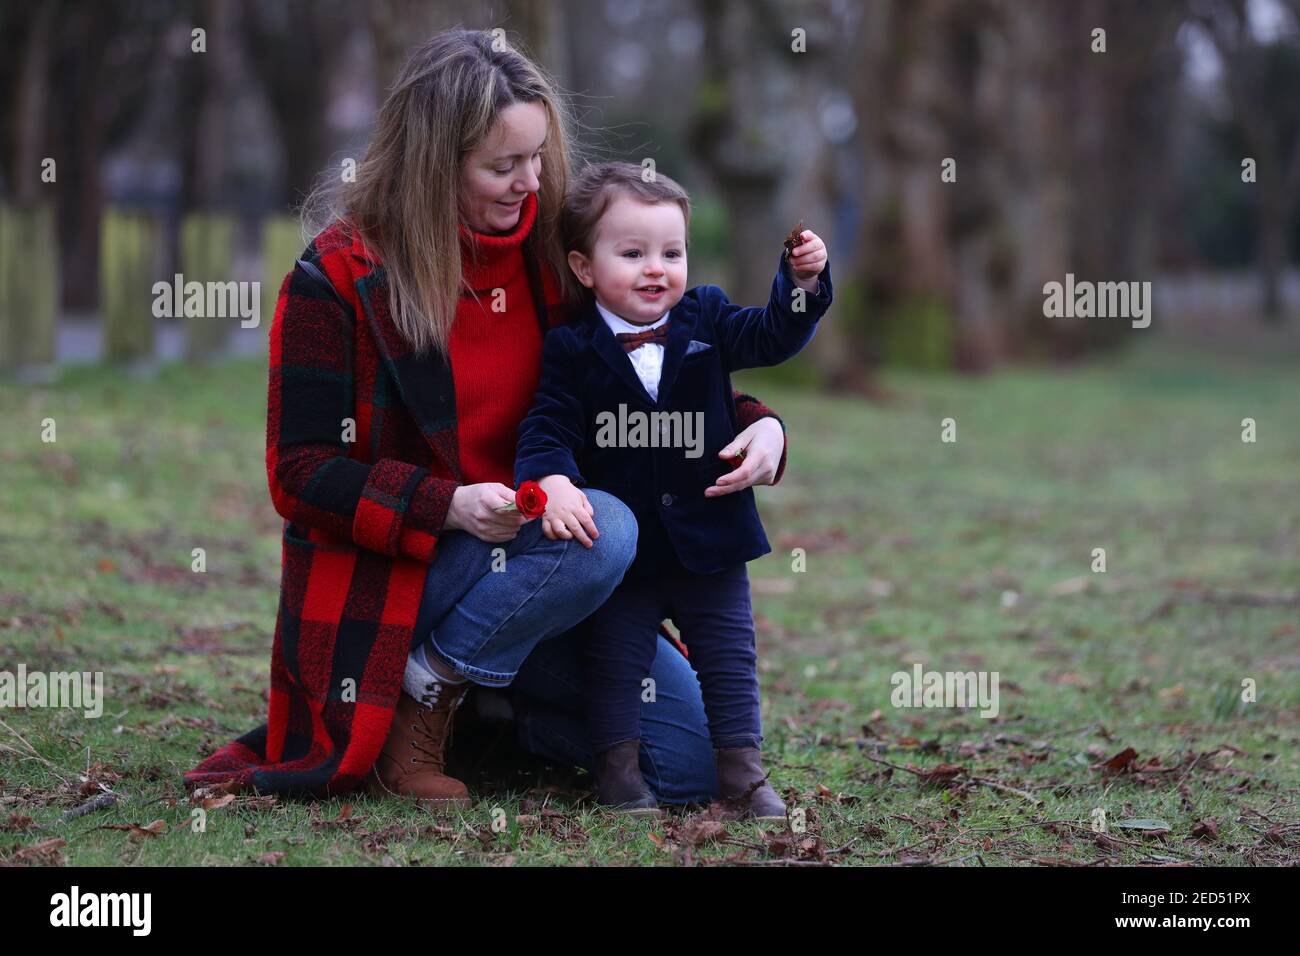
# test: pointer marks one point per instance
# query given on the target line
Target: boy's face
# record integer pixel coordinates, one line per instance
(639, 247)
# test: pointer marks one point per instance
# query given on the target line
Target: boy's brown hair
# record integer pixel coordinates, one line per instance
(590, 193)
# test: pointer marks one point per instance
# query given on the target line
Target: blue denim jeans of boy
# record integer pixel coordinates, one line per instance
(715, 616)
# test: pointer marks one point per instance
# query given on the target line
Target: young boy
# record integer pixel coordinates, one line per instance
(635, 398)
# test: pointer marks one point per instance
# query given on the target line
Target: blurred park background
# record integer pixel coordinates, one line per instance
(1119, 159)
(1166, 149)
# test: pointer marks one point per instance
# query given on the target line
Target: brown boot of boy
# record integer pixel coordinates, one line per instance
(414, 756)
(619, 784)
(741, 778)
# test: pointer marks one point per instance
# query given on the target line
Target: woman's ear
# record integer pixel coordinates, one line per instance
(581, 267)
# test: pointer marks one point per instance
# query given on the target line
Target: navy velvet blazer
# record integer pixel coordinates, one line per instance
(589, 400)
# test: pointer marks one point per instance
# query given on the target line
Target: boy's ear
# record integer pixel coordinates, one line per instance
(581, 267)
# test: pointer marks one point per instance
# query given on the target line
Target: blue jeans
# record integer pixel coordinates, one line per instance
(715, 611)
(520, 627)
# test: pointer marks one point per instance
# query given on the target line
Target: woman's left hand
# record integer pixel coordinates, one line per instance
(762, 443)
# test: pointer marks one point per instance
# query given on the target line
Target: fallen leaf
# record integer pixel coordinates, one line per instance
(1146, 825)
(942, 775)
(1275, 835)
(46, 852)
(157, 828)
(700, 832)
(1120, 762)
(1206, 829)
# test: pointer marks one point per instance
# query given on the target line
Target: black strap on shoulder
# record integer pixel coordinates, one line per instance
(318, 277)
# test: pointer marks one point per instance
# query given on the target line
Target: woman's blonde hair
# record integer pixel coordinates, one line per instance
(404, 200)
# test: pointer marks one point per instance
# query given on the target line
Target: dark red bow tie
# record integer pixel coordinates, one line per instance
(634, 340)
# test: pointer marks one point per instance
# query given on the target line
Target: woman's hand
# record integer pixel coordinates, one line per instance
(471, 510)
(568, 512)
(762, 443)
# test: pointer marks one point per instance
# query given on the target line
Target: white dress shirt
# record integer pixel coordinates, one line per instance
(647, 359)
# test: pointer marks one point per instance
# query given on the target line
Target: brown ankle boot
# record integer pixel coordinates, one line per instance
(619, 783)
(414, 756)
(741, 778)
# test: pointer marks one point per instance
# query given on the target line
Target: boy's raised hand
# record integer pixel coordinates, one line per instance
(568, 512)
(808, 260)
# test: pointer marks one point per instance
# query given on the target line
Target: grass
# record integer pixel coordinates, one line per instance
(973, 555)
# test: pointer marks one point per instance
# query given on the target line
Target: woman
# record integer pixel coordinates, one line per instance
(405, 350)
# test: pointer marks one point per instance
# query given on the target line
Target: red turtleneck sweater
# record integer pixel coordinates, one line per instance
(496, 357)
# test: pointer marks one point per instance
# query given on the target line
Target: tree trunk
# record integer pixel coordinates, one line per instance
(1273, 223)
(32, 108)
(82, 144)
(539, 30)
(724, 137)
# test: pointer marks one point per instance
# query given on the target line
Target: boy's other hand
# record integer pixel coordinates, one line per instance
(808, 260)
(568, 512)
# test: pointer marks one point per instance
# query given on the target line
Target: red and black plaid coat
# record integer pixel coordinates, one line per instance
(362, 520)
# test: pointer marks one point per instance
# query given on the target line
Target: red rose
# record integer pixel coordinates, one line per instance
(530, 500)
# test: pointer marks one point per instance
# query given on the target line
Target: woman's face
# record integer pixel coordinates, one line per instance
(497, 176)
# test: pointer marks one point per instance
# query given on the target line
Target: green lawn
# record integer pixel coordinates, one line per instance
(972, 555)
